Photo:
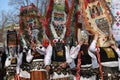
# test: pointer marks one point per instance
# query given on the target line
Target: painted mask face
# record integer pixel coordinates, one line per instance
(58, 19)
(31, 24)
(97, 19)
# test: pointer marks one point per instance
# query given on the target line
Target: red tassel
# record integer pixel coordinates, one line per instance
(99, 62)
(78, 67)
(85, 3)
(17, 77)
(77, 16)
(49, 9)
(47, 17)
(67, 6)
(69, 19)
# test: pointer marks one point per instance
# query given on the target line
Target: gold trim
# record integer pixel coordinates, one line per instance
(109, 52)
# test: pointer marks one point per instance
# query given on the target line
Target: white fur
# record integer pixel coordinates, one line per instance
(56, 76)
(29, 56)
(41, 51)
(7, 62)
(24, 74)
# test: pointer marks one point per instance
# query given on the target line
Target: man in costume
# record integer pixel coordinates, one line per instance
(11, 51)
(58, 33)
(82, 60)
(32, 32)
(23, 67)
(37, 67)
(108, 57)
(97, 19)
(58, 59)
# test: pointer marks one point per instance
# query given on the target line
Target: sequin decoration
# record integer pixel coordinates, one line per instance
(58, 19)
(102, 24)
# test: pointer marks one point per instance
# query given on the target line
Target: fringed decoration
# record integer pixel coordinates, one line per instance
(27, 16)
(49, 10)
(73, 22)
(17, 77)
(32, 41)
(77, 17)
(99, 62)
(69, 18)
(47, 17)
(20, 31)
(85, 3)
(78, 67)
(41, 19)
(67, 6)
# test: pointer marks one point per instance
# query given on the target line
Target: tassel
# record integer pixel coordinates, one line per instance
(85, 3)
(78, 67)
(99, 62)
(69, 18)
(66, 5)
(47, 17)
(17, 77)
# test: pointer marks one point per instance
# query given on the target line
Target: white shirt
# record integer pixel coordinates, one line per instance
(74, 51)
(93, 48)
(47, 59)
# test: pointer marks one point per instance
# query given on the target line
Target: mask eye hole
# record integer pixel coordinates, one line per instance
(55, 40)
(40, 47)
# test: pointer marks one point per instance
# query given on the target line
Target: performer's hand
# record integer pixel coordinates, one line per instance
(48, 68)
(96, 36)
(81, 42)
(112, 44)
(64, 65)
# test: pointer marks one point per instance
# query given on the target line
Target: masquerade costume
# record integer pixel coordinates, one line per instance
(32, 32)
(12, 52)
